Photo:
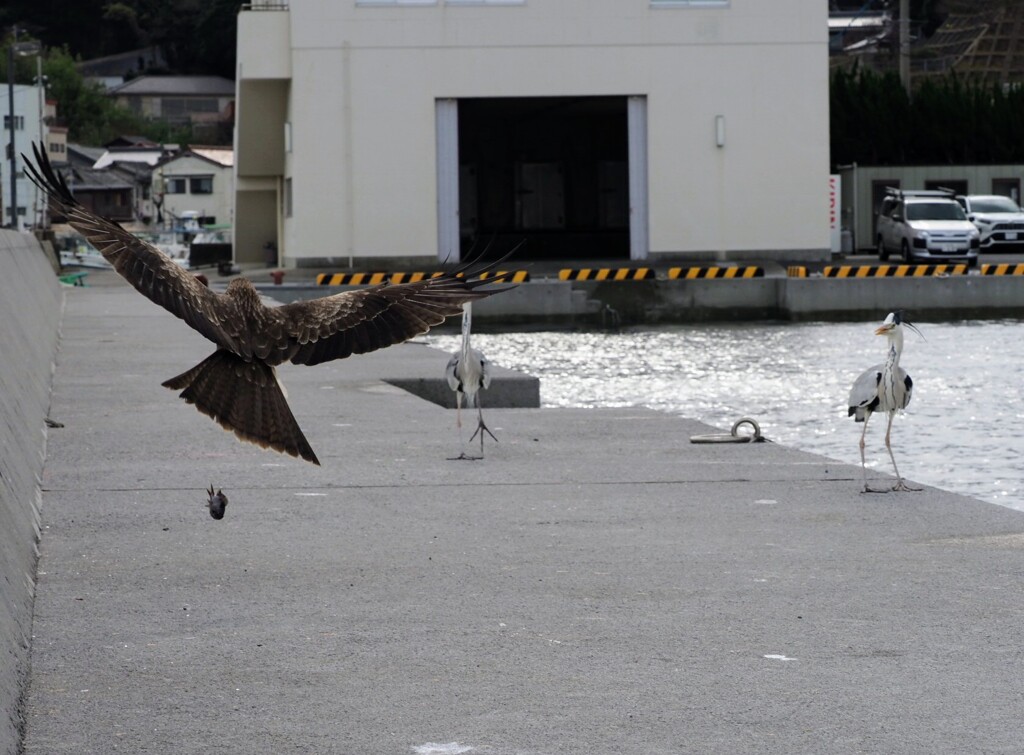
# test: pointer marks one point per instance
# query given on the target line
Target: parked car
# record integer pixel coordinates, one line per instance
(925, 226)
(999, 220)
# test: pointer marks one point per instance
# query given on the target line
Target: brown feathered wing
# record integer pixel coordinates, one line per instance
(357, 322)
(145, 267)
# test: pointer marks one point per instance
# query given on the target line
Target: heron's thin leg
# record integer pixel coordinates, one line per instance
(463, 456)
(900, 484)
(481, 426)
(863, 464)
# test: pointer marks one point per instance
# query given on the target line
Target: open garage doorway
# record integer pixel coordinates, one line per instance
(551, 171)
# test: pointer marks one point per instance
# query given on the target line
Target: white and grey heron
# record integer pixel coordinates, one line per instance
(468, 372)
(885, 388)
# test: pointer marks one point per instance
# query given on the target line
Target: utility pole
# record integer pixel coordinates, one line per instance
(905, 45)
(10, 120)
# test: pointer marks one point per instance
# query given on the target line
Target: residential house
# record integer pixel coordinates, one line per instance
(203, 102)
(629, 130)
(197, 181)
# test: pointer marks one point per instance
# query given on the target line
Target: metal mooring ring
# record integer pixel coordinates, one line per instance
(733, 436)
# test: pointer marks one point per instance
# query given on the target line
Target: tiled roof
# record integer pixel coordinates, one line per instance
(170, 86)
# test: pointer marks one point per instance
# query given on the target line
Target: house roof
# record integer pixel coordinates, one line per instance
(82, 153)
(170, 86)
(223, 157)
(150, 156)
(90, 179)
(130, 140)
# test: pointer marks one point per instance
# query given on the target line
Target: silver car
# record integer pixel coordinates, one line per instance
(999, 220)
(926, 226)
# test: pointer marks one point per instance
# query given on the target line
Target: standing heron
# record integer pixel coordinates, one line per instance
(468, 372)
(237, 385)
(884, 388)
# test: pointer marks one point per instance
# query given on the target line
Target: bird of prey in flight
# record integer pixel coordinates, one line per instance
(237, 385)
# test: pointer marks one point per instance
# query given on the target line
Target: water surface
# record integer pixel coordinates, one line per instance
(962, 430)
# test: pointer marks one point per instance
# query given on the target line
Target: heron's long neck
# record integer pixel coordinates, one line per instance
(892, 361)
(467, 323)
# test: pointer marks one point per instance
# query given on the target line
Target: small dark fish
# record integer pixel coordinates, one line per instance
(217, 503)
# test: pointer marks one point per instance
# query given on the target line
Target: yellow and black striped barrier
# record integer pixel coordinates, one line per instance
(796, 271)
(351, 279)
(1004, 268)
(507, 276)
(892, 271)
(374, 279)
(715, 271)
(606, 274)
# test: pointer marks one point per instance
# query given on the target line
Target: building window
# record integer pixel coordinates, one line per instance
(19, 123)
(175, 185)
(287, 197)
(1007, 187)
(485, 2)
(201, 185)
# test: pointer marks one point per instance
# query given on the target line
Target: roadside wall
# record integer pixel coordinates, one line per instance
(30, 308)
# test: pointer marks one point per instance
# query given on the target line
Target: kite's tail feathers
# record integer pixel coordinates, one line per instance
(246, 398)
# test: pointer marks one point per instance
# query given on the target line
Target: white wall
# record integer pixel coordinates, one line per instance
(364, 80)
(219, 204)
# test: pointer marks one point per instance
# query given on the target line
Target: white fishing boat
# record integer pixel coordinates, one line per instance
(84, 257)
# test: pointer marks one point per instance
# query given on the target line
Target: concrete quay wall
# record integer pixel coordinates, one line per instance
(548, 303)
(30, 308)
(802, 299)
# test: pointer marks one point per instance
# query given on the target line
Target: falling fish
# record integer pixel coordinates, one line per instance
(217, 503)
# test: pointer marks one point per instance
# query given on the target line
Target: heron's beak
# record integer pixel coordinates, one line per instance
(884, 329)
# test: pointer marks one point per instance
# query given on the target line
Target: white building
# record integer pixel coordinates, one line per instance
(29, 126)
(196, 181)
(410, 130)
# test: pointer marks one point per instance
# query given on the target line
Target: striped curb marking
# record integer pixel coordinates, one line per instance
(1004, 268)
(373, 279)
(692, 273)
(892, 271)
(606, 274)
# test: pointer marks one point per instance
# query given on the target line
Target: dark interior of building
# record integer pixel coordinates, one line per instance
(552, 172)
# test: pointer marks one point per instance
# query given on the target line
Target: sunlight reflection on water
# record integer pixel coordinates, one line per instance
(961, 431)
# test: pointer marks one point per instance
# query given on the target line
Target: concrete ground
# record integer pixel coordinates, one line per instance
(596, 585)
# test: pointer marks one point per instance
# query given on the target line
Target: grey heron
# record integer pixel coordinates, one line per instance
(468, 372)
(885, 388)
(237, 385)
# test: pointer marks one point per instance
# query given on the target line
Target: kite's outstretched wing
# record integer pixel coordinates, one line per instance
(149, 270)
(359, 321)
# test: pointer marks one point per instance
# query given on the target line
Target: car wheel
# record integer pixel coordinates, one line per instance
(907, 256)
(883, 254)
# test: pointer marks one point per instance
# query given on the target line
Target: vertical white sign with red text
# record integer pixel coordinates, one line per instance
(834, 222)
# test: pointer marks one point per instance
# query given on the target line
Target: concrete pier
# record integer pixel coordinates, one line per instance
(30, 308)
(597, 584)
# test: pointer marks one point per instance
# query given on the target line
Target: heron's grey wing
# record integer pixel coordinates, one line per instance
(864, 393)
(150, 271)
(485, 369)
(360, 321)
(904, 376)
(451, 372)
